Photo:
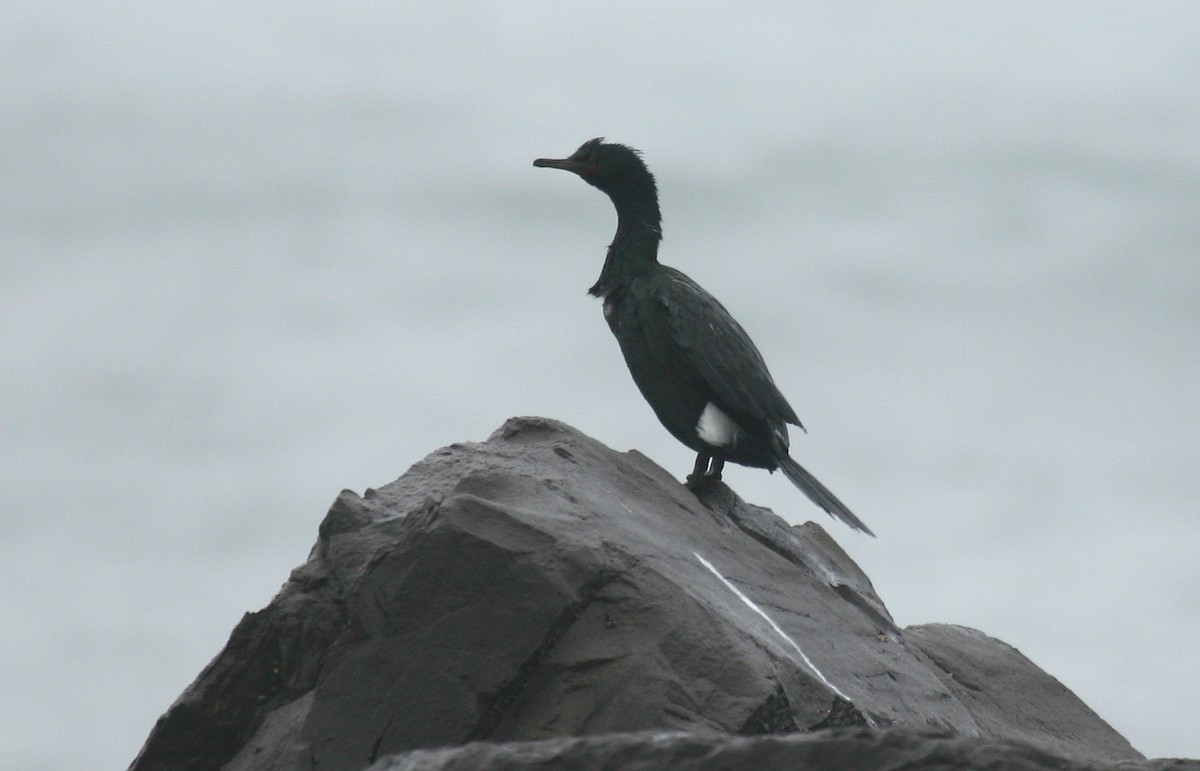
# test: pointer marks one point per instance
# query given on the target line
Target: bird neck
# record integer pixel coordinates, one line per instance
(634, 249)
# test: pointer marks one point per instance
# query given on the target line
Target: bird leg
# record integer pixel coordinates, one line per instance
(708, 468)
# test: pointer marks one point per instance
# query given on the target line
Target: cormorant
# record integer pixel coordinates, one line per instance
(694, 364)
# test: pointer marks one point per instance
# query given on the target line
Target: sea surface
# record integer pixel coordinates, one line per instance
(254, 253)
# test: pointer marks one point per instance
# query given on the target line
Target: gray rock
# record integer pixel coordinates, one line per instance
(540, 586)
(860, 749)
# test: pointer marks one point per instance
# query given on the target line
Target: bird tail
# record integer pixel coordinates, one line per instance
(820, 494)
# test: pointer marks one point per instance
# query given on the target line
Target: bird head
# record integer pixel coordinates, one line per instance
(616, 169)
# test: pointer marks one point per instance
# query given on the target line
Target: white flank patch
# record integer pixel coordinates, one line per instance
(715, 427)
(750, 604)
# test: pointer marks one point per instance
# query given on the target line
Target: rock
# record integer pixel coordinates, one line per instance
(861, 749)
(541, 586)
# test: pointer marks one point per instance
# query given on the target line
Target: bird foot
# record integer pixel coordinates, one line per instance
(697, 481)
(707, 469)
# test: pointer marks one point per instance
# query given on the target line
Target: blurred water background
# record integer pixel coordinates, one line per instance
(252, 253)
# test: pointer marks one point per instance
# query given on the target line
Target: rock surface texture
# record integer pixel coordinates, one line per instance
(540, 586)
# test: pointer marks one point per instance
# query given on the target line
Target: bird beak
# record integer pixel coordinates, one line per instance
(559, 163)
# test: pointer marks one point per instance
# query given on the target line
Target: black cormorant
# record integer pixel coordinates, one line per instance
(696, 366)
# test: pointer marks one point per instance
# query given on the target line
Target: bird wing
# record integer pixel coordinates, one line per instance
(719, 350)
